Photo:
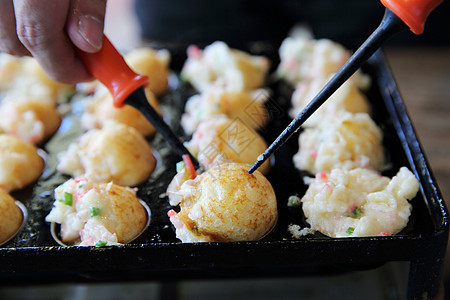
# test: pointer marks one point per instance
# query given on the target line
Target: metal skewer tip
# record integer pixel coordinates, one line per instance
(138, 100)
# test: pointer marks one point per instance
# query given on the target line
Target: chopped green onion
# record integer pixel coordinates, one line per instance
(180, 166)
(350, 230)
(66, 94)
(294, 201)
(184, 77)
(95, 211)
(101, 243)
(68, 199)
(356, 213)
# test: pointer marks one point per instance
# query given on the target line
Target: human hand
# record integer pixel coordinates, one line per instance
(50, 30)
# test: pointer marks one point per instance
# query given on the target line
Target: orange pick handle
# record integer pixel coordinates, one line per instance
(108, 66)
(412, 12)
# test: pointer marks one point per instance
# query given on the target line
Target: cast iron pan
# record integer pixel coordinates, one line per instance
(34, 256)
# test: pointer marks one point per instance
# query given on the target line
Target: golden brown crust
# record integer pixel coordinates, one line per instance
(124, 215)
(222, 139)
(11, 216)
(145, 61)
(44, 112)
(229, 204)
(99, 111)
(117, 153)
(20, 163)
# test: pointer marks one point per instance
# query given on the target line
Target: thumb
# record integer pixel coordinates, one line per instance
(85, 24)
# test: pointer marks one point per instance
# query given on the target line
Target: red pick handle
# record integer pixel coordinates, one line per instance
(110, 68)
(412, 12)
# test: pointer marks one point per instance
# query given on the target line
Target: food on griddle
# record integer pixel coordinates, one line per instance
(11, 216)
(152, 63)
(225, 203)
(220, 139)
(359, 202)
(347, 98)
(97, 214)
(23, 76)
(20, 163)
(348, 141)
(305, 59)
(99, 110)
(32, 119)
(245, 105)
(235, 70)
(116, 153)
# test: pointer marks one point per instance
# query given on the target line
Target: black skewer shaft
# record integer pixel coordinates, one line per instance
(389, 26)
(138, 100)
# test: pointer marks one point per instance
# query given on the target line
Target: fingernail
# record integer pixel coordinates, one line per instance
(91, 29)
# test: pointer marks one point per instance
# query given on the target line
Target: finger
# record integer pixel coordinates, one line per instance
(85, 24)
(9, 42)
(41, 29)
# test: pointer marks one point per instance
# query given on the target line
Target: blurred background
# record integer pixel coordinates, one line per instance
(421, 68)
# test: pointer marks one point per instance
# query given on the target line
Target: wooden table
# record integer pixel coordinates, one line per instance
(423, 78)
